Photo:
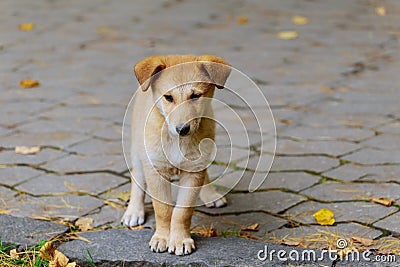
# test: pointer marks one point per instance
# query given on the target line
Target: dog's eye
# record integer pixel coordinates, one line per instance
(195, 96)
(169, 98)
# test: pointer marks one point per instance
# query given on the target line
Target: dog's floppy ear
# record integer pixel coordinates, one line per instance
(218, 73)
(147, 68)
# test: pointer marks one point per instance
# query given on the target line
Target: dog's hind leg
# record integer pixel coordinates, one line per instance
(210, 197)
(134, 214)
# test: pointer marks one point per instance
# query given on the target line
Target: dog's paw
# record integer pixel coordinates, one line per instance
(182, 246)
(219, 203)
(159, 243)
(133, 217)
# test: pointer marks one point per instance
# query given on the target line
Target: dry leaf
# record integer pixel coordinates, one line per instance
(47, 251)
(5, 211)
(324, 217)
(383, 201)
(286, 121)
(252, 227)
(287, 35)
(299, 20)
(290, 243)
(59, 260)
(242, 20)
(71, 264)
(205, 231)
(327, 89)
(84, 224)
(26, 27)
(14, 254)
(365, 241)
(28, 83)
(380, 10)
(26, 150)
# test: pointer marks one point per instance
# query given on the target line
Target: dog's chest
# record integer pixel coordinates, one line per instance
(171, 154)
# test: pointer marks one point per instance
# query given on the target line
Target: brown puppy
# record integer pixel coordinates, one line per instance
(171, 123)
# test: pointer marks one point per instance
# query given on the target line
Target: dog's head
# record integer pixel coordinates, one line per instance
(182, 87)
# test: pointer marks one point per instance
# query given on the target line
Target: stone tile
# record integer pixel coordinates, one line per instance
(294, 181)
(210, 251)
(384, 142)
(10, 157)
(273, 201)
(231, 154)
(352, 172)
(393, 128)
(328, 134)
(51, 184)
(346, 230)
(97, 147)
(331, 191)
(14, 175)
(26, 232)
(60, 139)
(258, 163)
(113, 132)
(333, 148)
(69, 207)
(390, 223)
(363, 212)
(76, 163)
(373, 156)
(309, 163)
(5, 196)
(236, 222)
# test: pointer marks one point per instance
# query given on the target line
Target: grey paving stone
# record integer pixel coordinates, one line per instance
(110, 248)
(294, 181)
(10, 157)
(5, 196)
(97, 147)
(332, 191)
(373, 156)
(272, 201)
(14, 175)
(344, 230)
(60, 139)
(26, 232)
(309, 163)
(328, 134)
(390, 223)
(362, 212)
(68, 207)
(393, 128)
(51, 184)
(236, 222)
(231, 155)
(384, 142)
(77, 163)
(352, 172)
(334, 148)
(258, 163)
(113, 132)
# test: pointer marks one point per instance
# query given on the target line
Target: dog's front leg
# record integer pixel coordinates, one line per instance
(180, 241)
(160, 190)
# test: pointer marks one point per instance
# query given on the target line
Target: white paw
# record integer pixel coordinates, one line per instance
(181, 247)
(219, 203)
(133, 217)
(159, 243)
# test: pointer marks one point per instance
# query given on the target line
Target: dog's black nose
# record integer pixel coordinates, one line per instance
(183, 129)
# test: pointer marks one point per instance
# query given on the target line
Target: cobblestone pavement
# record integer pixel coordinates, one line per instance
(333, 92)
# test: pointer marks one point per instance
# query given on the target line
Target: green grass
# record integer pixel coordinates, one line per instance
(27, 258)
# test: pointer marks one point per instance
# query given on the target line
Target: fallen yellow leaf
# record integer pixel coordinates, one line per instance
(383, 201)
(205, 231)
(46, 252)
(5, 211)
(28, 83)
(290, 243)
(84, 224)
(14, 254)
(242, 20)
(365, 241)
(26, 150)
(287, 35)
(380, 10)
(26, 27)
(59, 260)
(299, 20)
(252, 227)
(324, 217)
